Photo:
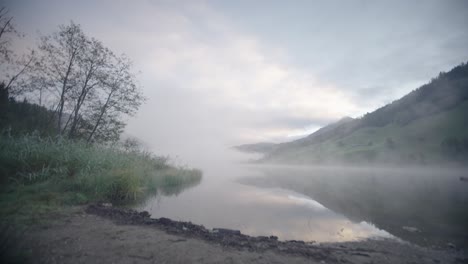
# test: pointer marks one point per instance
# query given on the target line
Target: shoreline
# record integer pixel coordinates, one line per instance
(102, 233)
(342, 252)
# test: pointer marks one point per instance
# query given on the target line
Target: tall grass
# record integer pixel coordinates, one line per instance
(75, 172)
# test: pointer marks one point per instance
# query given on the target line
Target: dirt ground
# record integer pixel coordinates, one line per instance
(83, 237)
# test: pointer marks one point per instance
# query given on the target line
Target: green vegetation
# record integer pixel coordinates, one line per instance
(23, 117)
(436, 138)
(39, 174)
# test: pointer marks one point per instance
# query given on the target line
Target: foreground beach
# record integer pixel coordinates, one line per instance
(106, 234)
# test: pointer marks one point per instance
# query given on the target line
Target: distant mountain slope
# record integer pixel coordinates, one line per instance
(263, 147)
(430, 124)
(267, 147)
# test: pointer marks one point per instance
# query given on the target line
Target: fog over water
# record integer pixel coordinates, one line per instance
(222, 201)
(426, 206)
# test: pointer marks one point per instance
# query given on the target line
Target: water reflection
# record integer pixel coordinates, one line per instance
(424, 206)
(221, 201)
(176, 189)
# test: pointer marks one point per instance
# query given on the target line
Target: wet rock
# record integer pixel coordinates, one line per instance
(164, 221)
(144, 214)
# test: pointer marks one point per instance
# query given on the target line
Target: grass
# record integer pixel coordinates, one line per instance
(40, 175)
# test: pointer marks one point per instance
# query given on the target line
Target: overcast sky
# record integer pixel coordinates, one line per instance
(220, 73)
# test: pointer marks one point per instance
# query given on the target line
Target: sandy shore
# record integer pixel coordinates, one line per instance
(103, 234)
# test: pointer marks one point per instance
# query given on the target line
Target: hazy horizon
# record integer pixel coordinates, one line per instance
(222, 73)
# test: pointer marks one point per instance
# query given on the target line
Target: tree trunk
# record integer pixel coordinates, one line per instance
(64, 89)
(5, 27)
(104, 108)
(79, 103)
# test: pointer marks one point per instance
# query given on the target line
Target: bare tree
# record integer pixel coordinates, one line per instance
(20, 67)
(94, 88)
(7, 30)
(13, 66)
(92, 67)
(120, 96)
(58, 63)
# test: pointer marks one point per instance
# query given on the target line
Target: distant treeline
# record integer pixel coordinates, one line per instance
(22, 117)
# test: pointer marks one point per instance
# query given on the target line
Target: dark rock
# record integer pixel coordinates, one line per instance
(296, 241)
(144, 214)
(164, 221)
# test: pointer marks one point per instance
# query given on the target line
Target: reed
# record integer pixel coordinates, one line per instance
(62, 171)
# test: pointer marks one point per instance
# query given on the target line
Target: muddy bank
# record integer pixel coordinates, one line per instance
(379, 251)
(224, 237)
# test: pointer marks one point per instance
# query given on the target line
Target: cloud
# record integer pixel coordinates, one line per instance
(215, 77)
(206, 69)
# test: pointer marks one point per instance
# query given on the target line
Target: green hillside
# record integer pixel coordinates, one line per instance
(424, 140)
(428, 125)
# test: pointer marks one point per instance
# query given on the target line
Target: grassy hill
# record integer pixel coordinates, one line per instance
(428, 125)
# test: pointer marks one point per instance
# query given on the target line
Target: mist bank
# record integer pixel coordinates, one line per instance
(427, 126)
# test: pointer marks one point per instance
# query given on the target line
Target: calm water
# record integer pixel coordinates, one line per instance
(426, 207)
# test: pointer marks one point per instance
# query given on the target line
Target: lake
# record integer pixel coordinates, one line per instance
(424, 206)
